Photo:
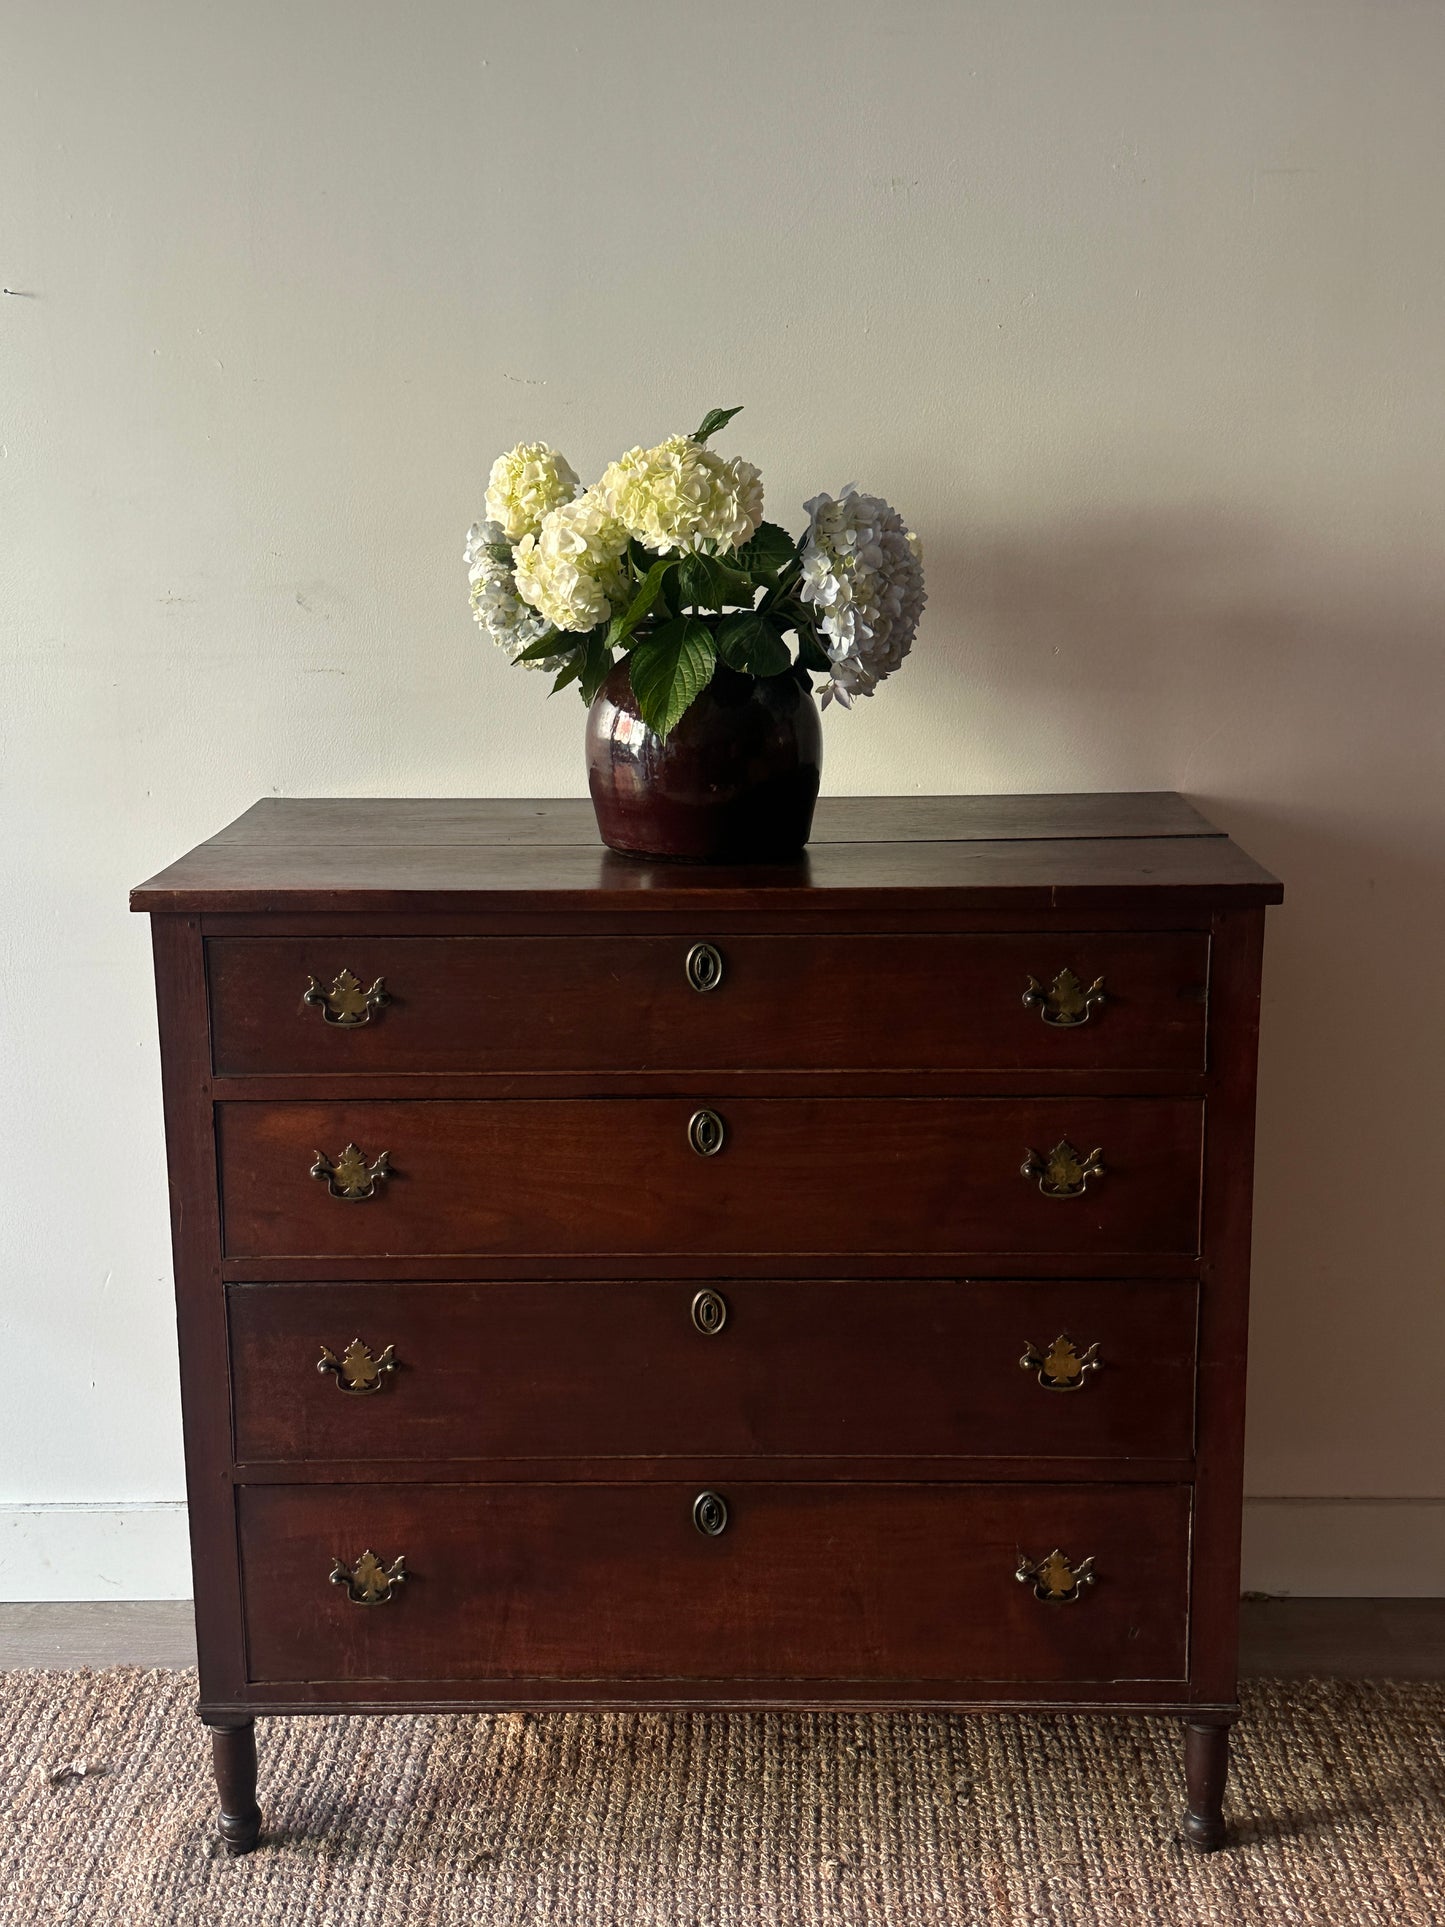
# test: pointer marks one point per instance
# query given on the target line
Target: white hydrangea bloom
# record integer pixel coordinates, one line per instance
(499, 610)
(863, 574)
(570, 570)
(680, 496)
(525, 484)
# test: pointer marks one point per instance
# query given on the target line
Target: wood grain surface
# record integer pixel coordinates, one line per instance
(807, 1582)
(599, 1003)
(1034, 853)
(619, 1175)
(580, 1370)
(540, 822)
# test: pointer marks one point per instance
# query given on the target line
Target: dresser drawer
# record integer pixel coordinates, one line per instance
(624, 1175)
(585, 1370)
(806, 1581)
(613, 1004)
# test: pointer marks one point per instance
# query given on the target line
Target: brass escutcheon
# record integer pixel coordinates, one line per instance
(346, 1004)
(706, 1133)
(1063, 1367)
(351, 1178)
(369, 1582)
(1055, 1579)
(704, 966)
(1063, 1173)
(357, 1371)
(709, 1312)
(1065, 1004)
(710, 1513)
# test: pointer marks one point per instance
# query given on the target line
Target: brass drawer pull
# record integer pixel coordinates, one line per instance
(1063, 1173)
(710, 1513)
(1065, 1004)
(709, 1312)
(1055, 1579)
(1063, 1368)
(351, 1178)
(704, 966)
(706, 1133)
(357, 1371)
(369, 1582)
(346, 1004)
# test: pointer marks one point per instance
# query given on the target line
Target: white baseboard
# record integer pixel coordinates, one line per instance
(95, 1551)
(1323, 1548)
(1345, 1548)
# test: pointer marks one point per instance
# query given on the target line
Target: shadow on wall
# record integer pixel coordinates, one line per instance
(1296, 692)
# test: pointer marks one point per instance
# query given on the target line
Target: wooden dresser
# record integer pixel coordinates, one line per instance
(604, 1283)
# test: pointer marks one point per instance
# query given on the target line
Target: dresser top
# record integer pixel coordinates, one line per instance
(398, 854)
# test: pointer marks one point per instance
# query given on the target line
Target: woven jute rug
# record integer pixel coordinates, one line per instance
(1338, 1793)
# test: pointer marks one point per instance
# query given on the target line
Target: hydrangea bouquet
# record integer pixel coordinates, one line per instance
(668, 559)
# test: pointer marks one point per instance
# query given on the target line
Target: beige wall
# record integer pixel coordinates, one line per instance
(1137, 310)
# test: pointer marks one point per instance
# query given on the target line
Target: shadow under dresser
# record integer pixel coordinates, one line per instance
(618, 1284)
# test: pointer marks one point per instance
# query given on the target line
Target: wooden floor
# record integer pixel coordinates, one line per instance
(1285, 1638)
(142, 1632)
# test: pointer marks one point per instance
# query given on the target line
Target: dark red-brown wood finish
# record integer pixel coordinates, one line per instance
(573, 1400)
(795, 1176)
(576, 1369)
(593, 1004)
(808, 1582)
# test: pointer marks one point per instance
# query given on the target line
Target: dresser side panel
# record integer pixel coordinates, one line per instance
(1237, 953)
(200, 1303)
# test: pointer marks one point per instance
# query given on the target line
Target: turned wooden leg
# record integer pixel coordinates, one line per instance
(233, 1753)
(1206, 1765)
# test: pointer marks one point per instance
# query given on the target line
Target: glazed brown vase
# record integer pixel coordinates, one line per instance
(735, 781)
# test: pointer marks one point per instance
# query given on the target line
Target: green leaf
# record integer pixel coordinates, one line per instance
(642, 562)
(713, 420)
(569, 672)
(752, 645)
(670, 668)
(705, 582)
(811, 653)
(596, 661)
(694, 583)
(769, 549)
(550, 644)
(641, 604)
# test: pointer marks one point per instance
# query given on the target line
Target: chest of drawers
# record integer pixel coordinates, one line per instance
(612, 1284)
